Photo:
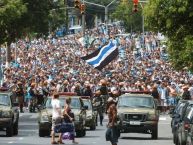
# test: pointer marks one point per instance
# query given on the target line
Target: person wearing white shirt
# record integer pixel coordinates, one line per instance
(191, 90)
(56, 118)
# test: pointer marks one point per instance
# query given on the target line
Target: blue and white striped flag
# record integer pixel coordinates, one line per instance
(102, 57)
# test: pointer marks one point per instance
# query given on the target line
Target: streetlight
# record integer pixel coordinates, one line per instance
(105, 7)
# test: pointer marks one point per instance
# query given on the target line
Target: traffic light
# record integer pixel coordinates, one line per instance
(135, 4)
(135, 9)
(82, 8)
(77, 4)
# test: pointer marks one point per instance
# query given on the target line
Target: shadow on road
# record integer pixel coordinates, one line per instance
(90, 136)
(145, 138)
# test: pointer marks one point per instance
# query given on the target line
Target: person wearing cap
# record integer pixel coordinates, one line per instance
(112, 133)
(186, 94)
(33, 101)
(86, 91)
(114, 94)
(104, 92)
(19, 91)
(98, 102)
(64, 87)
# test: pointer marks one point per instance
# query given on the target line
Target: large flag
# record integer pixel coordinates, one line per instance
(102, 57)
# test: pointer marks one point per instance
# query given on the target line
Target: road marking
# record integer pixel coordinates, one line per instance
(10, 142)
(162, 118)
(21, 138)
(33, 116)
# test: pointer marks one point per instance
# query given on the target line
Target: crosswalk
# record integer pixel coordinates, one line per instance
(29, 115)
(35, 115)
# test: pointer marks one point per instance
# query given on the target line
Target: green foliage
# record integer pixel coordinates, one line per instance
(21, 18)
(57, 16)
(10, 12)
(132, 20)
(175, 20)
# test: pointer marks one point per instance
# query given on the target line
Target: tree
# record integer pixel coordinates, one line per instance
(20, 18)
(132, 20)
(175, 20)
(10, 13)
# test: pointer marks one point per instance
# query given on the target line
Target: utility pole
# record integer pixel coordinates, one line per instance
(8, 55)
(1, 73)
(83, 22)
(105, 7)
(66, 11)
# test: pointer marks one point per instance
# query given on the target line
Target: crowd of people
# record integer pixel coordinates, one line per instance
(45, 64)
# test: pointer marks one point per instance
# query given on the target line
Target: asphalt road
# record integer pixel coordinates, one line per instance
(28, 134)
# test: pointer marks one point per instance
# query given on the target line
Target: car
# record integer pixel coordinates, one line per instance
(77, 107)
(189, 140)
(9, 113)
(91, 114)
(176, 115)
(183, 125)
(138, 113)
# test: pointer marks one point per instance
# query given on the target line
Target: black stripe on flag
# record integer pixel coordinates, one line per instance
(95, 53)
(108, 59)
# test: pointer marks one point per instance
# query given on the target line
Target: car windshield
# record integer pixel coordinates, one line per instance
(4, 100)
(88, 103)
(75, 103)
(135, 101)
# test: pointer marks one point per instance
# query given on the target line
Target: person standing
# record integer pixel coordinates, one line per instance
(98, 104)
(20, 95)
(56, 118)
(69, 118)
(155, 94)
(186, 93)
(112, 133)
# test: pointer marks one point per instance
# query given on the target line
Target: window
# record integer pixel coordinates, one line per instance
(4, 100)
(136, 101)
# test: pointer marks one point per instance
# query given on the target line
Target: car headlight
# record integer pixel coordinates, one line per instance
(45, 118)
(6, 114)
(120, 116)
(89, 115)
(152, 117)
(77, 118)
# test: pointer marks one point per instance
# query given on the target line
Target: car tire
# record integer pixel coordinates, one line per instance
(9, 131)
(43, 133)
(15, 128)
(84, 132)
(154, 134)
(93, 127)
(80, 133)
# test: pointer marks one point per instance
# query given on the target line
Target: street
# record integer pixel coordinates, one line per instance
(28, 134)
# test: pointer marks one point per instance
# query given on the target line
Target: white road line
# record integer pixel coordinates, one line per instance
(164, 123)
(10, 142)
(162, 118)
(33, 116)
(21, 138)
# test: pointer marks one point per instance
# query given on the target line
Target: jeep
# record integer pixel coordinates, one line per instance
(9, 113)
(138, 113)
